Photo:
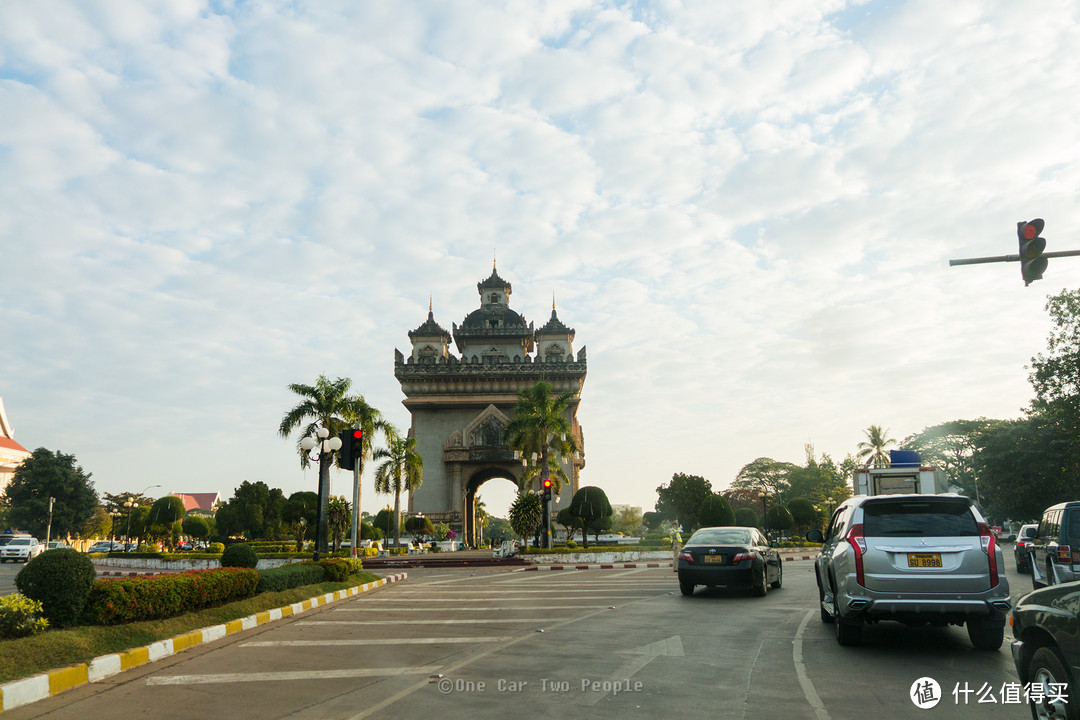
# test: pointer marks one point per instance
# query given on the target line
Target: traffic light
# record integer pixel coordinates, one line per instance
(1032, 245)
(351, 447)
(546, 492)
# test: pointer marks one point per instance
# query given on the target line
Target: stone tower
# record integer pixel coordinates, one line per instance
(460, 404)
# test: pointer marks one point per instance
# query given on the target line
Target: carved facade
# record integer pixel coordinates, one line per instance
(460, 404)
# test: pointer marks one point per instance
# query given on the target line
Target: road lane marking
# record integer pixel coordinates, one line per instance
(800, 672)
(397, 601)
(670, 647)
(479, 621)
(377, 641)
(485, 608)
(328, 674)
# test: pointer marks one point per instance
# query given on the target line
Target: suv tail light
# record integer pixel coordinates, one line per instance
(739, 557)
(858, 547)
(1064, 554)
(685, 555)
(989, 546)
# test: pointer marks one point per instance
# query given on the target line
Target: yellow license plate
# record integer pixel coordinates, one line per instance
(924, 560)
(714, 558)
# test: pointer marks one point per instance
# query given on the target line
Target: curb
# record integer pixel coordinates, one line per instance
(39, 687)
(127, 573)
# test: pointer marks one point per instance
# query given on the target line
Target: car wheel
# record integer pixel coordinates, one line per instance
(848, 632)
(1047, 673)
(686, 588)
(985, 635)
(779, 577)
(762, 587)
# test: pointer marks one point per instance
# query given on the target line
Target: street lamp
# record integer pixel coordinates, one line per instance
(114, 514)
(419, 528)
(326, 450)
(389, 517)
(129, 504)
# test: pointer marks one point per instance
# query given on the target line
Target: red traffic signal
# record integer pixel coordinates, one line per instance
(358, 434)
(1032, 262)
(352, 448)
(547, 484)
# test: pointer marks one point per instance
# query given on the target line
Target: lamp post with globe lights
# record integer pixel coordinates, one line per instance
(326, 447)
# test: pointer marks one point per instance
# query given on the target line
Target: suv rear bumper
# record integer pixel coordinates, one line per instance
(918, 610)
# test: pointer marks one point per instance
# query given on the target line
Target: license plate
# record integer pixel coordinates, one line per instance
(924, 560)
(714, 558)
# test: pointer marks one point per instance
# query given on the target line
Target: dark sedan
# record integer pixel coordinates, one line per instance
(1045, 625)
(1024, 537)
(729, 557)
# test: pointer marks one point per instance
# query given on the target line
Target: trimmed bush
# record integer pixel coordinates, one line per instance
(216, 548)
(337, 569)
(239, 555)
(61, 581)
(571, 544)
(20, 616)
(290, 576)
(153, 597)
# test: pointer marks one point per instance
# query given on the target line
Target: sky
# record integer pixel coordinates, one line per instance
(744, 209)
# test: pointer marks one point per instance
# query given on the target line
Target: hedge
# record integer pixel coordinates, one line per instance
(151, 597)
(290, 576)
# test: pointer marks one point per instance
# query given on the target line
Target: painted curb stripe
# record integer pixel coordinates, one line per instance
(39, 687)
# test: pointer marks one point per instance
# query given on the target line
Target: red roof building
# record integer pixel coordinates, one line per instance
(200, 501)
(11, 453)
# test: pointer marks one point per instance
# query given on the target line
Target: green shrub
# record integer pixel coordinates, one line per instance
(356, 565)
(20, 616)
(60, 580)
(571, 544)
(216, 548)
(153, 597)
(337, 569)
(290, 576)
(239, 555)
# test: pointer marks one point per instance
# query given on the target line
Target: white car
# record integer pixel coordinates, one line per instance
(21, 548)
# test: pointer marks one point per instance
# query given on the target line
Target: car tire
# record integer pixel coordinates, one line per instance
(778, 583)
(686, 588)
(848, 632)
(762, 587)
(984, 634)
(1046, 668)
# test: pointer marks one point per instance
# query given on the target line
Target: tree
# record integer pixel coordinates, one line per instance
(48, 474)
(100, 525)
(1055, 378)
(681, 499)
(1020, 466)
(746, 517)
(525, 515)
(299, 513)
(196, 527)
(420, 527)
(138, 519)
(327, 404)
(764, 474)
(499, 530)
(715, 511)
(591, 505)
(629, 521)
(780, 517)
(951, 447)
(804, 514)
(254, 512)
(338, 520)
(541, 426)
(568, 520)
(402, 469)
(872, 450)
(384, 521)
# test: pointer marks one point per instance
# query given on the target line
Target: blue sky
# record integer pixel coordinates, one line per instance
(745, 210)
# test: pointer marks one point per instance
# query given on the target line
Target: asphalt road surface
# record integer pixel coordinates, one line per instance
(617, 643)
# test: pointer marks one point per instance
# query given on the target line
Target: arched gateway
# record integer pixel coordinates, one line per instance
(460, 404)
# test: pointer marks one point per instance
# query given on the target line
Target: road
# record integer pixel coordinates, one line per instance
(594, 643)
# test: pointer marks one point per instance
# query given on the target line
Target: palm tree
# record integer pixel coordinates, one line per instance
(873, 449)
(402, 469)
(541, 427)
(361, 415)
(325, 404)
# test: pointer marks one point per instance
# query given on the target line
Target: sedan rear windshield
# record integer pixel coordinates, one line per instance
(939, 517)
(720, 537)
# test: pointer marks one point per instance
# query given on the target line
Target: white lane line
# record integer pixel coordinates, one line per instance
(515, 591)
(378, 641)
(482, 621)
(328, 674)
(524, 598)
(470, 609)
(800, 672)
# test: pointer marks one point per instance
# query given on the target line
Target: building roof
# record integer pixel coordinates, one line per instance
(429, 329)
(493, 282)
(199, 501)
(554, 326)
(9, 444)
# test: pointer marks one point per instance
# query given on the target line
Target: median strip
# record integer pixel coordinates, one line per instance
(39, 687)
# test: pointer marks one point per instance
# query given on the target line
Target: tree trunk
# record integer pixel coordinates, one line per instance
(397, 512)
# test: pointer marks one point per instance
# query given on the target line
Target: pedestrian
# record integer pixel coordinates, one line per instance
(676, 545)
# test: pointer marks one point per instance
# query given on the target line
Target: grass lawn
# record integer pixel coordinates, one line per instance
(53, 649)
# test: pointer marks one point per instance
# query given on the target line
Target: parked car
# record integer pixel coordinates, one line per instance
(1055, 551)
(1024, 538)
(1045, 625)
(7, 537)
(727, 557)
(21, 548)
(915, 559)
(58, 545)
(104, 546)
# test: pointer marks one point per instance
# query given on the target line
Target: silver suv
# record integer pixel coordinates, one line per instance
(915, 559)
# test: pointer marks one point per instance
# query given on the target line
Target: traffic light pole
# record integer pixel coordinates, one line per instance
(356, 508)
(1011, 258)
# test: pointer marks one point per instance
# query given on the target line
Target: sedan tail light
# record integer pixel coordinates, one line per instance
(685, 555)
(739, 557)
(989, 546)
(857, 541)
